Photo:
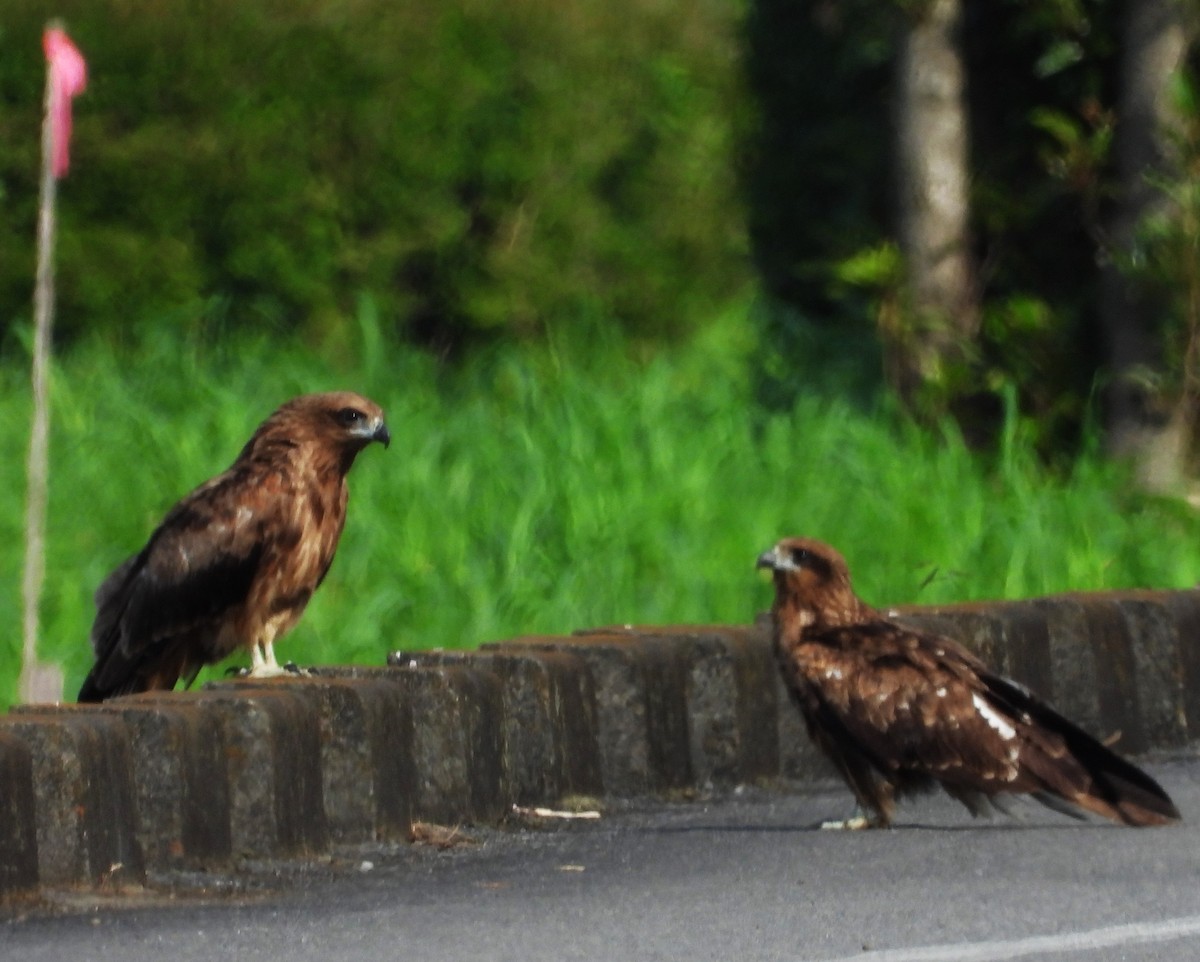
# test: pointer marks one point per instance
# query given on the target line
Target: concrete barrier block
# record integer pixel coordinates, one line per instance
(1027, 641)
(641, 709)
(1074, 667)
(1184, 609)
(97, 795)
(366, 732)
(86, 812)
(458, 745)
(1158, 668)
(18, 819)
(272, 744)
(458, 740)
(180, 781)
(573, 726)
(730, 697)
(756, 675)
(550, 724)
(1106, 631)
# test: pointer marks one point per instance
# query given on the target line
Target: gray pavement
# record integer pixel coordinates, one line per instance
(740, 878)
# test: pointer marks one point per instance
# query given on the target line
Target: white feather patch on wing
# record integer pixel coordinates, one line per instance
(994, 720)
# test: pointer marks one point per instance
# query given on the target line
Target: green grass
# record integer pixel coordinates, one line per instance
(543, 492)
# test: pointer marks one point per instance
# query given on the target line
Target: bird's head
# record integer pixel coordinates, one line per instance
(352, 420)
(812, 580)
(333, 426)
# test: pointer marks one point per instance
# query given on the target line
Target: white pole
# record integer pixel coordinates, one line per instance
(40, 683)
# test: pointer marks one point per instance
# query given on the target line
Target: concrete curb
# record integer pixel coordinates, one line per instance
(140, 789)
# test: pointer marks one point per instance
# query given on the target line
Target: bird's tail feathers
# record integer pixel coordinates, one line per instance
(1071, 765)
(117, 675)
(90, 691)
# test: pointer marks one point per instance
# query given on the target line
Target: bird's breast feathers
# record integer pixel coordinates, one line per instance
(300, 549)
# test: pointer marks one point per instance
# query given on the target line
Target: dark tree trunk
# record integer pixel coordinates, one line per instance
(1142, 424)
(940, 321)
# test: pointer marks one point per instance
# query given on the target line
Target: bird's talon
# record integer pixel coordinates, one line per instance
(855, 823)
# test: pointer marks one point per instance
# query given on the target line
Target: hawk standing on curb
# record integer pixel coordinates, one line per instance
(234, 563)
(899, 711)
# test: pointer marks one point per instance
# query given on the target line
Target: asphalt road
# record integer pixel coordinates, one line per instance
(744, 878)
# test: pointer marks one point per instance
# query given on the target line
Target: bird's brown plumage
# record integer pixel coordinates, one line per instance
(899, 711)
(234, 563)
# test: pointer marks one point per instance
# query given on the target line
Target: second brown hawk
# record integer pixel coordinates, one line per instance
(234, 563)
(899, 711)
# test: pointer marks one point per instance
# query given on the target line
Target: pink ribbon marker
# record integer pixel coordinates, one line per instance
(68, 77)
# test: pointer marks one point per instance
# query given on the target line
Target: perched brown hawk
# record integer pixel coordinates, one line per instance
(899, 711)
(235, 562)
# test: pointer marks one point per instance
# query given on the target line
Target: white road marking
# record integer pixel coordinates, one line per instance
(1134, 933)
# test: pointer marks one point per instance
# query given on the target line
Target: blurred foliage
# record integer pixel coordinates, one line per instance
(1052, 68)
(547, 488)
(477, 168)
(1166, 254)
(817, 172)
(814, 175)
(481, 172)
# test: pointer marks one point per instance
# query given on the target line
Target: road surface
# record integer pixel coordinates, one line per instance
(742, 878)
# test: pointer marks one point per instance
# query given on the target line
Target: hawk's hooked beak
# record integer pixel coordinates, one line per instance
(382, 435)
(769, 559)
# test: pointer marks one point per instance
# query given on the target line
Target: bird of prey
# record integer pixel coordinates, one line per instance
(899, 711)
(234, 563)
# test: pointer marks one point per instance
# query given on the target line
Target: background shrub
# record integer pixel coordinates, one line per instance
(481, 169)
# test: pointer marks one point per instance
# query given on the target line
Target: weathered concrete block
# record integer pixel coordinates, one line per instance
(1074, 668)
(712, 700)
(550, 724)
(367, 775)
(571, 715)
(1184, 609)
(458, 740)
(180, 781)
(272, 744)
(755, 674)
(641, 709)
(458, 744)
(1108, 633)
(87, 828)
(1027, 642)
(730, 697)
(1158, 669)
(18, 819)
